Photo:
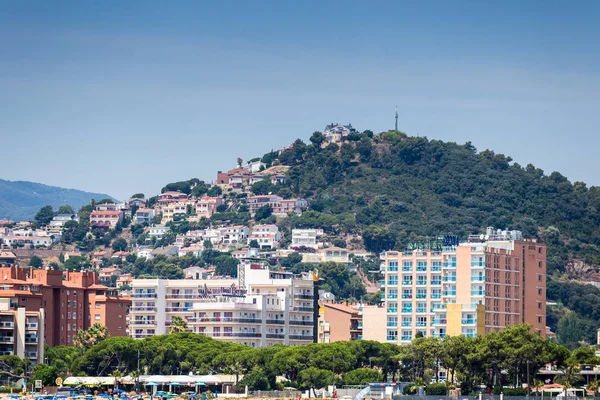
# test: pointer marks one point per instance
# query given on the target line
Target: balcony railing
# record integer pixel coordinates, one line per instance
(442, 321)
(421, 283)
(275, 322)
(439, 335)
(303, 323)
(183, 296)
(31, 354)
(477, 292)
(392, 283)
(392, 295)
(468, 321)
(6, 353)
(436, 282)
(275, 336)
(394, 338)
(436, 268)
(139, 295)
(393, 269)
(7, 339)
(7, 324)
(407, 269)
(421, 268)
(421, 309)
(179, 309)
(406, 309)
(407, 296)
(470, 334)
(304, 309)
(421, 323)
(477, 263)
(406, 323)
(301, 337)
(449, 264)
(392, 310)
(143, 308)
(421, 295)
(31, 325)
(304, 296)
(31, 339)
(392, 323)
(449, 293)
(449, 279)
(407, 283)
(242, 334)
(406, 338)
(142, 322)
(436, 295)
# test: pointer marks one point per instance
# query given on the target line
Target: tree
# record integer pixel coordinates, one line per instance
(256, 379)
(178, 325)
(36, 262)
(317, 138)
(44, 215)
(291, 260)
(263, 212)
(87, 338)
(138, 196)
(254, 244)
(215, 191)
(361, 376)
(119, 245)
(45, 373)
(315, 378)
(66, 209)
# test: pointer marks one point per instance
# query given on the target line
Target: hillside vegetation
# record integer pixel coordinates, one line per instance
(393, 188)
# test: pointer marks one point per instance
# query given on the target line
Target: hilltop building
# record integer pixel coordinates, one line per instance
(485, 284)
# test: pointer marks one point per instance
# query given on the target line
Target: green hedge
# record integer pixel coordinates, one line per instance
(436, 389)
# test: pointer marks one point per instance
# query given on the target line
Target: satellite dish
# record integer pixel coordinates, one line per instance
(487, 237)
(482, 236)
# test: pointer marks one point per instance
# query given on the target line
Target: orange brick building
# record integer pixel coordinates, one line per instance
(71, 301)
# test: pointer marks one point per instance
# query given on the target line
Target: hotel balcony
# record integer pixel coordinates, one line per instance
(392, 324)
(142, 322)
(140, 295)
(301, 337)
(301, 323)
(31, 326)
(7, 339)
(304, 296)
(179, 309)
(478, 264)
(276, 322)
(477, 278)
(449, 264)
(31, 339)
(143, 309)
(7, 325)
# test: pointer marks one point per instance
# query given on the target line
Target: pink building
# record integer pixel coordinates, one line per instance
(207, 206)
(106, 219)
(279, 205)
(166, 198)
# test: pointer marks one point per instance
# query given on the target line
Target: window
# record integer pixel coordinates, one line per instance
(120, 316)
(74, 292)
(539, 292)
(97, 305)
(68, 292)
(97, 317)
(539, 278)
(74, 315)
(540, 306)
(75, 328)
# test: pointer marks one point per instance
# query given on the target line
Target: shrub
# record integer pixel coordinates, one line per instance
(436, 389)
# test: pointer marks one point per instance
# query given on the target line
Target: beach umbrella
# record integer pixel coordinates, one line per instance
(151, 384)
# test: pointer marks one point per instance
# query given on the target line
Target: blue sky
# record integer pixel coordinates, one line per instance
(123, 97)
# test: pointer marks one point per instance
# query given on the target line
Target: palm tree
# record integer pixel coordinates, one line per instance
(178, 325)
(116, 374)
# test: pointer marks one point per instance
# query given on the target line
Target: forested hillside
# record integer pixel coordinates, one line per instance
(393, 188)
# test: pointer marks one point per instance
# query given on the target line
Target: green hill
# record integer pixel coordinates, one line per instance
(393, 188)
(21, 200)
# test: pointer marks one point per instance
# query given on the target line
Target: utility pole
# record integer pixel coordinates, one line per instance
(396, 126)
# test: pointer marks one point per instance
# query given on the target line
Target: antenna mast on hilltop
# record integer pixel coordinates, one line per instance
(396, 119)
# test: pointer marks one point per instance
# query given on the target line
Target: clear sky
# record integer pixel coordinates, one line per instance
(124, 96)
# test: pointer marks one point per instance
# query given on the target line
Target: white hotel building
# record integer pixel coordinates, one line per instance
(260, 308)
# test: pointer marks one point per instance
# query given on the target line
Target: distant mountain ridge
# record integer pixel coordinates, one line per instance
(21, 200)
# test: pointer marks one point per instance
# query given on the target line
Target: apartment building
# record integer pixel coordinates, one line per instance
(105, 219)
(28, 241)
(260, 308)
(144, 216)
(279, 205)
(166, 198)
(484, 284)
(340, 322)
(21, 331)
(235, 234)
(306, 237)
(174, 209)
(70, 300)
(207, 206)
(267, 236)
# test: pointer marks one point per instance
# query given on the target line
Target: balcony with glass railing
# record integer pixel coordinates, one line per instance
(436, 295)
(436, 282)
(421, 282)
(393, 268)
(436, 268)
(406, 309)
(406, 323)
(407, 269)
(451, 278)
(421, 309)
(392, 338)
(439, 335)
(392, 295)
(406, 338)
(392, 310)
(470, 334)
(407, 283)
(392, 283)
(478, 264)
(449, 264)
(477, 278)
(449, 293)
(477, 292)
(407, 295)
(143, 295)
(392, 324)
(439, 321)
(468, 321)
(421, 323)
(421, 295)
(421, 268)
